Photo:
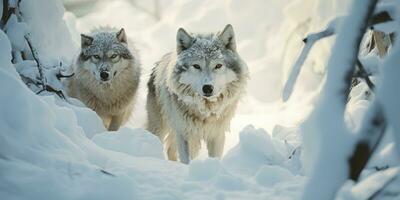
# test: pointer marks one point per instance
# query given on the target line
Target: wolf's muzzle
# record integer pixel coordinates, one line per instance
(208, 90)
(104, 75)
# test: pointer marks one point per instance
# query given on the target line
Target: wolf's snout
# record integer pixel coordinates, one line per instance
(104, 75)
(208, 90)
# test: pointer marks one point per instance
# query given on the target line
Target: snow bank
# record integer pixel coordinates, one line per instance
(47, 155)
(135, 142)
(256, 149)
(251, 152)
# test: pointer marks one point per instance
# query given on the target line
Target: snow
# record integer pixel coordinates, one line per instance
(389, 94)
(135, 142)
(56, 149)
(328, 116)
(16, 32)
(370, 186)
(41, 16)
(271, 175)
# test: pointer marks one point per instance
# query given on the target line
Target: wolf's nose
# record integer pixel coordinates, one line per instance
(104, 75)
(208, 90)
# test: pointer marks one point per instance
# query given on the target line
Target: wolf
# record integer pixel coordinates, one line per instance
(193, 93)
(107, 75)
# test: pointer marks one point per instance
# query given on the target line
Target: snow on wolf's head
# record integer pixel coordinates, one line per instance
(207, 64)
(105, 53)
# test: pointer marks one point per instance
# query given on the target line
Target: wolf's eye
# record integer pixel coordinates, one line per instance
(196, 66)
(96, 57)
(218, 66)
(113, 56)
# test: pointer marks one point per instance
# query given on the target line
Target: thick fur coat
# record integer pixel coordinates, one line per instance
(193, 93)
(107, 76)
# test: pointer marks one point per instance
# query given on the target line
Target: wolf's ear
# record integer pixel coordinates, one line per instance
(86, 40)
(183, 40)
(121, 36)
(228, 37)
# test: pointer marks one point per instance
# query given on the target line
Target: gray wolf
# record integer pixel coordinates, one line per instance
(193, 93)
(107, 75)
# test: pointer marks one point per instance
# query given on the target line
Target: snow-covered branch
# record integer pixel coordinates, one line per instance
(377, 118)
(389, 93)
(380, 17)
(328, 116)
(308, 43)
(371, 133)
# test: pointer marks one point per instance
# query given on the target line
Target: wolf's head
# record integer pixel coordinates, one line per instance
(105, 54)
(207, 64)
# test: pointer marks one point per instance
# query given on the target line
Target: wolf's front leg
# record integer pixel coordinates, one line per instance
(215, 145)
(116, 122)
(183, 149)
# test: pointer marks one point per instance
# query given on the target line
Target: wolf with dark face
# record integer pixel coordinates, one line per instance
(106, 76)
(193, 93)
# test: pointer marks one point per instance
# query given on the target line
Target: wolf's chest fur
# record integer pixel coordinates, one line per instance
(201, 110)
(202, 118)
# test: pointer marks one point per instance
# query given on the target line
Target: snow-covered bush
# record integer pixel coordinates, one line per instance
(42, 49)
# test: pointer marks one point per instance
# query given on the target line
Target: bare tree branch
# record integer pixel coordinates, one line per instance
(381, 17)
(364, 74)
(38, 63)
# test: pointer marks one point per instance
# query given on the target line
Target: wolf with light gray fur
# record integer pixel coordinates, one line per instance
(193, 93)
(107, 75)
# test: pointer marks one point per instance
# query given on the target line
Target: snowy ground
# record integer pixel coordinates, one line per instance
(61, 151)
